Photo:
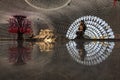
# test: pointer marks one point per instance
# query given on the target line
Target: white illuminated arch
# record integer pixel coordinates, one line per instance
(96, 28)
(95, 52)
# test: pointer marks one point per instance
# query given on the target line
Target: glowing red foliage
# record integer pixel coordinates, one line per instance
(21, 25)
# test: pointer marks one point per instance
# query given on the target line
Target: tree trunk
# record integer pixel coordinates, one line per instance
(20, 36)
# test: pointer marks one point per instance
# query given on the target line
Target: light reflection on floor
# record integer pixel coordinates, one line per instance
(71, 60)
(90, 53)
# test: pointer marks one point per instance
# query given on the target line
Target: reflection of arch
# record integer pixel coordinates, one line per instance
(96, 28)
(96, 52)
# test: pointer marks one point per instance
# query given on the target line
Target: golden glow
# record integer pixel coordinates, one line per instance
(47, 38)
(46, 35)
(45, 47)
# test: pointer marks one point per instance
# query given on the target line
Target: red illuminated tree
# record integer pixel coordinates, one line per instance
(115, 1)
(19, 25)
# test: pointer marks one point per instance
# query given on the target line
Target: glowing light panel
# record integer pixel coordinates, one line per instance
(96, 28)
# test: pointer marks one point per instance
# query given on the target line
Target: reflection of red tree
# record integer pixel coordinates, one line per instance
(19, 55)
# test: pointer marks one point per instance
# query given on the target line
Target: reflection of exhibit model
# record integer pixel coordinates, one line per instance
(45, 46)
(96, 28)
(92, 53)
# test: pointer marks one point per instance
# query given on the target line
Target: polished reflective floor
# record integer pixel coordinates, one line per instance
(72, 60)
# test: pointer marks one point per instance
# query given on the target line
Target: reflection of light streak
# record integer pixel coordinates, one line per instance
(96, 28)
(96, 52)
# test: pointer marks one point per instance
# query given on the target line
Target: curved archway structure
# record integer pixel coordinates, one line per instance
(96, 28)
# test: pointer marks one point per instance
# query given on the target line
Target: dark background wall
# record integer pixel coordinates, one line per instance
(61, 19)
